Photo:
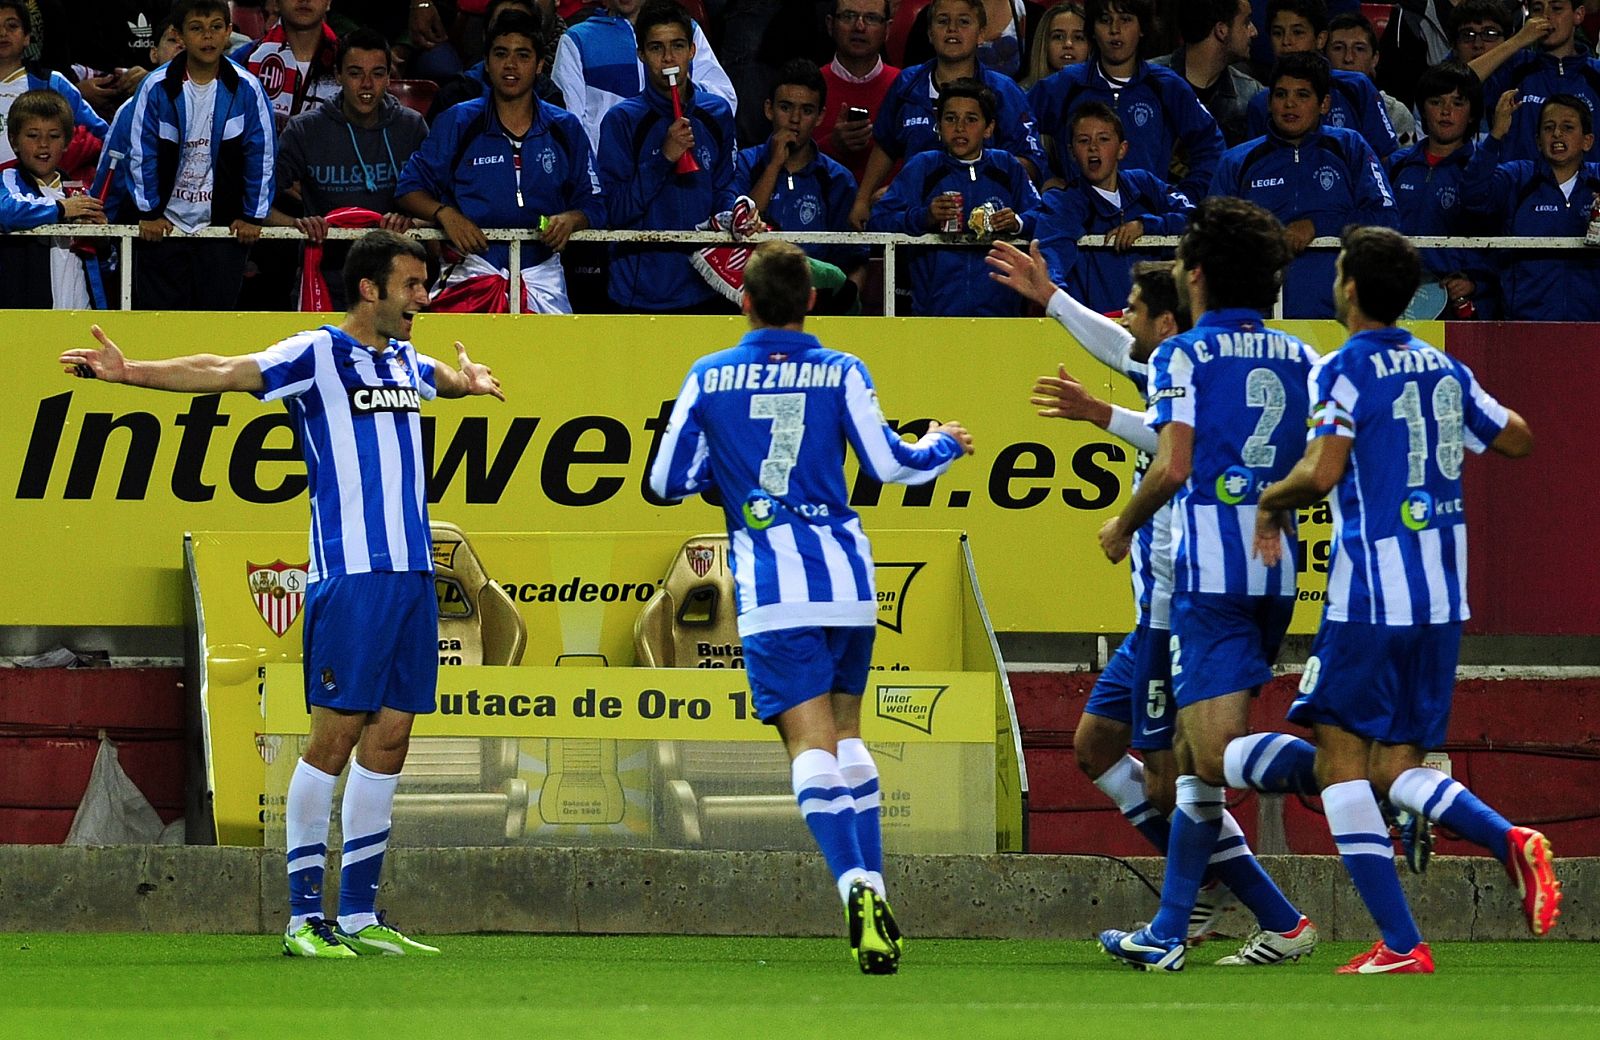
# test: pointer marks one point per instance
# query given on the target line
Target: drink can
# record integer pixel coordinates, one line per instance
(1591, 237)
(955, 223)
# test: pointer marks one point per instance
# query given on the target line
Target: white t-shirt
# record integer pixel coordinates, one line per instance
(69, 290)
(189, 208)
(1567, 186)
(11, 88)
(1113, 197)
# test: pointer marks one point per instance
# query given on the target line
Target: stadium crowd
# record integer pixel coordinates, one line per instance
(998, 118)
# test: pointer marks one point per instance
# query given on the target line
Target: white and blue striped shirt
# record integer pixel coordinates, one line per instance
(1242, 388)
(765, 422)
(357, 412)
(1400, 531)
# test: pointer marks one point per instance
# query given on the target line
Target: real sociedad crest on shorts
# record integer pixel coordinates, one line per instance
(1327, 178)
(700, 558)
(279, 590)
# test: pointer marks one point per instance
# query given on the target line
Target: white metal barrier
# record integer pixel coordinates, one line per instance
(890, 244)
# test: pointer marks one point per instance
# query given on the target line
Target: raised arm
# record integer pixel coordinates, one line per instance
(473, 380)
(193, 374)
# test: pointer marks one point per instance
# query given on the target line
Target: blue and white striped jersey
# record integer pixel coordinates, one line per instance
(766, 422)
(1242, 388)
(1400, 531)
(358, 416)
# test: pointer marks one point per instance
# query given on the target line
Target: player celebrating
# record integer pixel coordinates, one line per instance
(803, 572)
(353, 393)
(1392, 418)
(1227, 399)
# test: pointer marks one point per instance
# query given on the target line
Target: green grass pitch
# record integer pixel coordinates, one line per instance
(176, 987)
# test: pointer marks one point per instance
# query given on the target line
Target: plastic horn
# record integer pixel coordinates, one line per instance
(686, 162)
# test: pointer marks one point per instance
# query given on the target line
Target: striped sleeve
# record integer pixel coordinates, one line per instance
(883, 454)
(1333, 401)
(1172, 386)
(427, 379)
(288, 367)
(682, 463)
(1483, 416)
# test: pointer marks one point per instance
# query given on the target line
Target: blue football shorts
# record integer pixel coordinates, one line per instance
(1134, 689)
(789, 666)
(372, 641)
(1223, 643)
(1392, 684)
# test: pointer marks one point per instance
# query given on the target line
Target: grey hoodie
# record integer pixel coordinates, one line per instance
(338, 164)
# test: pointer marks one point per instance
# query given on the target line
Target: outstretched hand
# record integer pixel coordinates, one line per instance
(104, 362)
(1024, 273)
(480, 381)
(1062, 397)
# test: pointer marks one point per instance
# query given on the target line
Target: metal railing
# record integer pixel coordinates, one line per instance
(890, 243)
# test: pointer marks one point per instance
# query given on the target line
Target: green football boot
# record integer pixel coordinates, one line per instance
(315, 938)
(383, 939)
(871, 925)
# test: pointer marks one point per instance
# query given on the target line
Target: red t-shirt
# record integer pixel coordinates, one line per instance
(842, 95)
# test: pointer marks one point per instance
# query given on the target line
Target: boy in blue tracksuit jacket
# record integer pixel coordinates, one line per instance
(640, 144)
(13, 45)
(1428, 189)
(794, 185)
(1104, 199)
(954, 282)
(1300, 26)
(1547, 198)
(1314, 178)
(1556, 64)
(1156, 104)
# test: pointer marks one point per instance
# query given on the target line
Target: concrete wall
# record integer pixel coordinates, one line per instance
(437, 891)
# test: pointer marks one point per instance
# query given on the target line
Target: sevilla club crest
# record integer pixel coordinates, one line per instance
(279, 590)
(700, 558)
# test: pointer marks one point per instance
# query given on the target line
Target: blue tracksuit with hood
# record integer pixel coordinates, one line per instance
(1331, 178)
(1353, 103)
(908, 122)
(645, 192)
(1432, 200)
(954, 282)
(1158, 109)
(1099, 278)
(816, 197)
(1537, 76)
(1525, 200)
(470, 162)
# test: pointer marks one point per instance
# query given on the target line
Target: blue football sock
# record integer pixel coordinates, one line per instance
(1428, 792)
(365, 817)
(1272, 762)
(860, 774)
(1195, 827)
(830, 811)
(1123, 783)
(1364, 846)
(1236, 866)
(306, 811)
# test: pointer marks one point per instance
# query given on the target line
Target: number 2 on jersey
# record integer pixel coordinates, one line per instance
(788, 415)
(1264, 390)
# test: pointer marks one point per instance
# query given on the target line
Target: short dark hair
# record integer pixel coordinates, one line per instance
(37, 105)
(170, 21)
(372, 257)
(967, 87)
(1307, 65)
(1196, 18)
(1354, 20)
(1469, 11)
(21, 7)
(1451, 77)
(361, 38)
(778, 281)
(661, 12)
(1574, 102)
(516, 23)
(1241, 248)
(1159, 291)
(1095, 110)
(186, 8)
(1313, 11)
(1385, 267)
(1143, 10)
(802, 72)
(493, 8)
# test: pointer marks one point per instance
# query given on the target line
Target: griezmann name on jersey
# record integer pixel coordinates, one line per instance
(1242, 388)
(766, 422)
(358, 415)
(1400, 533)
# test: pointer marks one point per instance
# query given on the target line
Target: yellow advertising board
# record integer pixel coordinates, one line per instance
(118, 474)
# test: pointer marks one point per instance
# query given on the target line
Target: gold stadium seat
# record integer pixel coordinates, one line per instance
(465, 790)
(711, 794)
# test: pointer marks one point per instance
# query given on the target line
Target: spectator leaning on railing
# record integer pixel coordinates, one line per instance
(183, 179)
(44, 273)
